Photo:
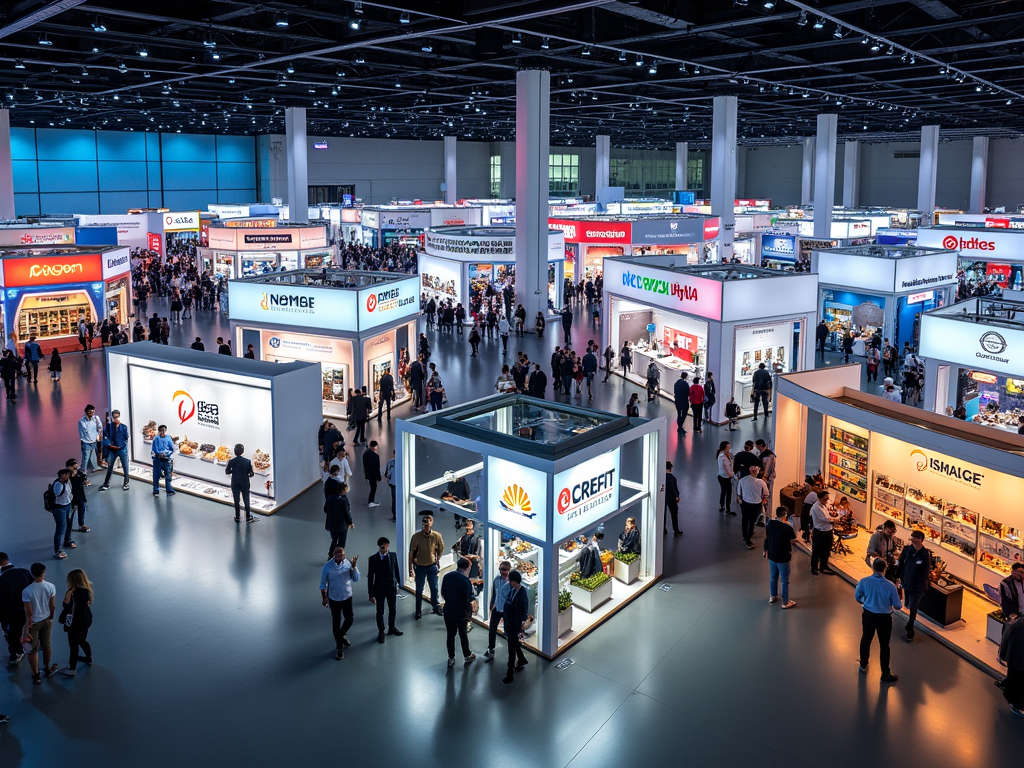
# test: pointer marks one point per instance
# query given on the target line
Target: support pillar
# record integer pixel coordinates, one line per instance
(741, 172)
(851, 175)
(979, 174)
(603, 167)
(6, 168)
(723, 169)
(682, 158)
(298, 164)
(807, 175)
(533, 143)
(928, 169)
(825, 174)
(450, 170)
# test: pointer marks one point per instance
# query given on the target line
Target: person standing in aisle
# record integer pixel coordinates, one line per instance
(360, 415)
(767, 457)
(33, 354)
(39, 604)
(567, 325)
(762, 385)
(61, 512)
(474, 339)
(726, 472)
(338, 517)
(751, 495)
(538, 385)
(162, 450)
(913, 574)
(389, 474)
(778, 549)
(697, 404)
(821, 535)
(1011, 655)
(115, 436)
(9, 373)
(386, 395)
(1011, 592)
(590, 370)
(732, 413)
(383, 578)
(499, 594)
(671, 500)
(90, 428)
(240, 469)
(76, 618)
(371, 471)
(336, 579)
(12, 610)
(609, 356)
(514, 615)
(79, 502)
(223, 347)
(416, 376)
(198, 345)
(459, 597)
(745, 459)
(877, 596)
(709, 395)
(503, 333)
(55, 367)
(681, 400)
(425, 550)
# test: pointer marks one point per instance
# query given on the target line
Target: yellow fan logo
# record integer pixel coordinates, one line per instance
(517, 501)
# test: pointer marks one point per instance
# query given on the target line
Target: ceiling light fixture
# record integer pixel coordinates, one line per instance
(121, 67)
(819, 23)
(85, 72)
(622, 55)
(876, 46)
(98, 25)
(890, 51)
(682, 68)
(545, 43)
(404, 18)
(354, 24)
(44, 40)
(802, 20)
(280, 19)
(146, 74)
(913, 60)
(215, 55)
(290, 69)
(769, 4)
(517, 39)
(427, 47)
(838, 34)
(653, 69)
(143, 52)
(586, 51)
(360, 60)
(639, 61)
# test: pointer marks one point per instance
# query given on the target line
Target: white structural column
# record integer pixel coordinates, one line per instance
(851, 174)
(298, 159)
(723, 169)
(533, 142)
(929, 168)
(603, 166)
(450, 171)
(825, 174)
(682, 158)
(807, 174)
(979, 174)
(6, 168)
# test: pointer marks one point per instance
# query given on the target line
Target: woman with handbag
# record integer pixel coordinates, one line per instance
(76, 618)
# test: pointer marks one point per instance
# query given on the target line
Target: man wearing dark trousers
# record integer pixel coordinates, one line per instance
(499, 594)
(336, 579)
(751, 494)
(671, 500)
(360, 415)
(762, 384)
(878, 597)
(681, 398)
(12, 610)
(386, 395)
(913, 572)
(821, 536)
(458, 595)
(567, 324)
(516, 608)
(371, 471)
(389, 474)
(382, 580)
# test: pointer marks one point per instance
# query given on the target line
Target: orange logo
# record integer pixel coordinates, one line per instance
(921, 461)
(517, 501)
(265, 303)
(186, 405)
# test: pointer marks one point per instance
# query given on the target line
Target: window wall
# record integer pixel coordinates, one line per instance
(495, 175)
(564, 175)
(66, 171)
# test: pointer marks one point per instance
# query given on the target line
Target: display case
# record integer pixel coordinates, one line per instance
(847, 463)
(999, 546)
(888, 498)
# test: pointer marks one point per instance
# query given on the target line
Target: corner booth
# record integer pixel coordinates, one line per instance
(354, 324)
(459, 263)
(237, 251)
(589, 241)
(973, 353)
(989, 256)
(722, 318)
(542, 477)
(210, 403)
(956, 482)
(884, 288)
(405, 224)
(48, 291)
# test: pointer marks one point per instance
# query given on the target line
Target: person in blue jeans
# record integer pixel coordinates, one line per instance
(425, 550)
(163, 450)
(115, 436)
(778, 549)
(33, 354)
(61, 511)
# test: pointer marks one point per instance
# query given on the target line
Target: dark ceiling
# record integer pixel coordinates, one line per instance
(642, 71)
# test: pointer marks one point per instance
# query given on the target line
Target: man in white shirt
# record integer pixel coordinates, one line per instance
(821, 537)
(751, 493)
(503, 329)
(90, 430)
(336, 579)
(39, 599)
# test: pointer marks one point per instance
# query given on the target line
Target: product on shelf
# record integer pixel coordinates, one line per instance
(207, 452)
(261, 461)
(149, 431)
(223, 454)
(188, 447)
(848, 463)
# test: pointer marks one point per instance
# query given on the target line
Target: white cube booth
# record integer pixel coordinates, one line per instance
(242, 251)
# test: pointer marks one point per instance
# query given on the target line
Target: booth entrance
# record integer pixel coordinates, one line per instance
(539, 478)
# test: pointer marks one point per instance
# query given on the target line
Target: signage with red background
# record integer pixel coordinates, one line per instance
(584, 231)
(712, 228)
(154, 242)
(53, 270)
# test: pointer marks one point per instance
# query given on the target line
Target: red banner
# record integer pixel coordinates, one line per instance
(586, 231)
(154, 242)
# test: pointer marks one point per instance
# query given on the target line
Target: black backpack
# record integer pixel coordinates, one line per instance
(49, 498)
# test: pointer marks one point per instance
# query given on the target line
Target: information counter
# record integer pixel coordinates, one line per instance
(541, 479)
(210, 403)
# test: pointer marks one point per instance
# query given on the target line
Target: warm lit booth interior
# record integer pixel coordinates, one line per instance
(244, 251)
(210, 403)
(542, 479)
(356, 325)
(724, 318)
(957, 482)
(871, 288)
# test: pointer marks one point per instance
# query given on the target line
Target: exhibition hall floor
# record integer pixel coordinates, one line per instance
(211, 647)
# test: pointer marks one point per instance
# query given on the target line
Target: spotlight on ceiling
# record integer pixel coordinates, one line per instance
(545, 43)
(653, 69)
(517, 39)
(819, 23)
(354, 24)
(121, 67)
(98, 25)
(622, 55)
(838, 34)
(890, 51)
(404, 18)
(360, 60)
(682, 68)
(208, 40)
(427, 47)
(290, 69)
(802, 21)
(146, 74)
(769, 4)
(358, 6)
(280, 19)
(639, 61)
(143, 52)
(586, 51)
(876, 46)
(85, 72)
(44, 40)
(215, 55)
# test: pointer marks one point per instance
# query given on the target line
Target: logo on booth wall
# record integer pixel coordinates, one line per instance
(962, 474)
(54, 270)
(993, 342)
(954, 243)
(587, 494)
(712, 228)
(371, 302)
(265, 302)
(274, 342)
(185, 404)
(517, 501)
(921, 462)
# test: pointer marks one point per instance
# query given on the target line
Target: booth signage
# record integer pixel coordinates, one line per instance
(370, 219)
(517, 498)
(277, 239)
(36, 236)
(404, 219)
(919, 298)
(52, 270)
(712, 227)
(251, 223)
(116, 263)
(229, 211)
(689, 294)
(322, 144)
(585, 493)
(681, 230)
(618, 232)
(970, 344)
(154, 242)
(442, 244)
(926, 271)
(280, 304)
(386, 303)
(779, 247)
(181, 221)
(1006, 244)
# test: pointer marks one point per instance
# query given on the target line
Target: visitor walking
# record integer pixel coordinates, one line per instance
(115, 440)
(459, 598)
(778, 549)
(697, 404)
(371, 471)
(671, 500)
(725, 474)
(336, 579)
(877, 596)
(76, 618)
(383, 578)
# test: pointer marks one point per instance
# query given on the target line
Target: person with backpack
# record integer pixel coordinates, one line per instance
(57, 501)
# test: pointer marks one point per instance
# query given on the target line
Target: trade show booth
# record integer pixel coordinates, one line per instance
(386, 225)
(354, 324)
(973, 353)
(459, 263)
(23, 235)
(210, 403)
(954, 481)
(48, 291)
(870, 288)
(541, 480)
(987, 254)
(722, 318)
(238, 250)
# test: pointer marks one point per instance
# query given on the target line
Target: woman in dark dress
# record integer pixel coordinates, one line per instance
(76, 617)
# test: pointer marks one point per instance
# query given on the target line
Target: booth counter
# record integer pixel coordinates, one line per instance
(540, 475)
(237, 251)
(354, 324)
(956, 482)
(210, 403)
(974, 358)
(48, 291)
(459, 263)
(722, 318)
(883, 288)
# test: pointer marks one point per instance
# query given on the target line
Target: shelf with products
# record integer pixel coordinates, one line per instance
(849, 439)
(962, 517)
(849, 483)
(927, 521)
(852, 465)
(888, 497)
(959, 537)
(925, 501)
(996, 555)
(847, 461)
(1004, 533)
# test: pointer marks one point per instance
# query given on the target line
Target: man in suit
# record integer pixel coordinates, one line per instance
(382, 579)
(516, 609)
(386, 393)
(538, 384)
(12, 609)
(371, 470)
(416, 376)
(458, 594)
(671, 500)
(360, 414)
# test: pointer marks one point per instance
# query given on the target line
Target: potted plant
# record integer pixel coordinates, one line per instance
(564, 612)
(627, 567)
(592, 592)
(994, 626)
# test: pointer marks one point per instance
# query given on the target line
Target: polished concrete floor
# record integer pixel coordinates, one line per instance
(211, 647)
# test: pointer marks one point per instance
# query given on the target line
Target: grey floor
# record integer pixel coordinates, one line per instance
(211, 646)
